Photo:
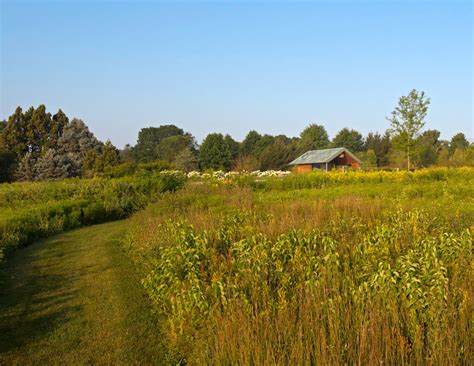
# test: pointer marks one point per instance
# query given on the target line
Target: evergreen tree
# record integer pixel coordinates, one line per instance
(26, 170)
(79, 147)
(51, 166)
(58, 124)
(248, 146)
(7, 165)
(381, 147)
(458, 141)
(275, 156)
(262, 144)
(38, 130)
(108, 157)
(14, 134)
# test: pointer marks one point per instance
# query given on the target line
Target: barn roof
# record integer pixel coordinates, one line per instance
(321, 156)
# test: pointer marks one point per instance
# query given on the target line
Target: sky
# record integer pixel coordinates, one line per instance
(234, 66)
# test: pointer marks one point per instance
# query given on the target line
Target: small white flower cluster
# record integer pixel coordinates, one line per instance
(194, 174)
(270, 173)
(220, 175)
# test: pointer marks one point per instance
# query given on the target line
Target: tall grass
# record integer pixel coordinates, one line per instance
(30, 211)
(316, 275)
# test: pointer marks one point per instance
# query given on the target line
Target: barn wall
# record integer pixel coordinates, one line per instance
(303, 168)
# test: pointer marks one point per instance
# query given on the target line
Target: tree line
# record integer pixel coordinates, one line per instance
(35, 145)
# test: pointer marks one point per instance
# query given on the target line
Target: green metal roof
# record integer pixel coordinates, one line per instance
(321, 156)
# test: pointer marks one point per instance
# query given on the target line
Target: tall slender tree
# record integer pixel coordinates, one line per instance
(408, 119)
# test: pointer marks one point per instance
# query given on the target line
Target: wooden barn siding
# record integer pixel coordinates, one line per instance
(303, 168)
(347, 160)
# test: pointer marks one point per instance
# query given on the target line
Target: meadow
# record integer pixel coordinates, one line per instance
(331, 268)
(340, 268)
(36, 210)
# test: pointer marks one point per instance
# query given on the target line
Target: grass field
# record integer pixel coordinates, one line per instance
(75, 299)
(32, 211)
(363, 268)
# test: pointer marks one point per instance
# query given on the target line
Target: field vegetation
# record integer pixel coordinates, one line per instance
(339, 268)
(34, 210)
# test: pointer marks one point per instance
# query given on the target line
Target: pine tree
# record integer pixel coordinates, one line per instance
(76, 145)
(58, 124)
(14, 134)
(108, 157)
(38, 130)
(26, 170)
(52, 166)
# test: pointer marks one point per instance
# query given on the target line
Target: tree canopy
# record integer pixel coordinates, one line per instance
(350, 139)
(313, 137)
(38, 145)
(408, 119)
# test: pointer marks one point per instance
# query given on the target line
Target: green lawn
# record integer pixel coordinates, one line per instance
(76, 299)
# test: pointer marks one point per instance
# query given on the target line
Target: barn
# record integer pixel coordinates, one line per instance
(326, 159)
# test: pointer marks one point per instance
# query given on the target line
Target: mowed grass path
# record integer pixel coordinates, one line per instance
(76, 299)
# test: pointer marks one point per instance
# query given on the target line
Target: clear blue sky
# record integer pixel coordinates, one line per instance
(221, 67)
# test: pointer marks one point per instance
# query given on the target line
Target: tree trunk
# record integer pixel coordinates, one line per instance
(408, 158)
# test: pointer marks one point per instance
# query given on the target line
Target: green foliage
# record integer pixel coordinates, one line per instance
(3, 124)
(313, 137)
(50, 167)
(170, 147)
(109, 157)
(407, 120)
(458, 141)
(380, 145)
(187, 160)
(26, 168)
(33, 131)
(29, 211)
(215, 152)
(249, 145)
(149, 138)
(350, 139)
(7, 165)
(337, 269)
(368, 158)
(276, 156)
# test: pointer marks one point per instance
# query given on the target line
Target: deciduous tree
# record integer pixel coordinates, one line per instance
(148, 139)
(350, 139)
(215, 153)
(408, 119)
(313, 137)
